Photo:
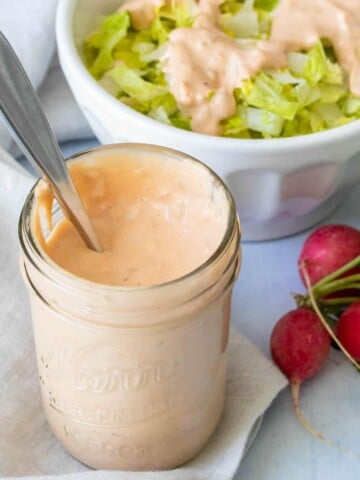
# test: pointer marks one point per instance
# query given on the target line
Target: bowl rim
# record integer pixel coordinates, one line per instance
(68, 50)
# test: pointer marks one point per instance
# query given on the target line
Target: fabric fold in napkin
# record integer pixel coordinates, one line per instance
(27, 446)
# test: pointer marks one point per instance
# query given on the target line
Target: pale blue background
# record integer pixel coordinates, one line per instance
(283, 450)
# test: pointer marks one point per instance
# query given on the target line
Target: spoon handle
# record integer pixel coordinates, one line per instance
(27, 122)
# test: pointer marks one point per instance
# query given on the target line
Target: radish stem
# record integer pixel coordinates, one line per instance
(322, 319)
(320, 289)
(331, 288)
(333, 276)
(343, 283)
(339, 301)
(295, 394)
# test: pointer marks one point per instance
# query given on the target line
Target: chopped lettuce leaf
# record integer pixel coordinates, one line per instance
(183, 14)
(100, 45)
(334, 73)
(154, 74)
(109, 85)
(303, 93)
(316, 123)
(140, 37)
(306, 122)
(246, 18)
(132, 59)
(330, 113)
(264, 121)
(316, 66)
(268, 94)
(180, 121)
(142, 107)
(230, 6)
(343, 121)
(160, 115)
(313, 96)
(331, 93)
(154, 55)
(133, 85)
(159, 31)
(285, 77)
(297, 62)
(264, 19)
(268, 5)
(167, 102)
(243, 24)
(351, 105)
(180, 14)
(237, 125)
(167, 19)
(143, 48)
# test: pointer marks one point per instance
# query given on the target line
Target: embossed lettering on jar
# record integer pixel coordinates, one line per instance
(132, 378)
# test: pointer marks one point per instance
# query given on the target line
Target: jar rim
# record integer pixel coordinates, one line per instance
(30, 247)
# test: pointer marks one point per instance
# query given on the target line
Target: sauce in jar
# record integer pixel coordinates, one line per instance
(156, 219)
(131, 343)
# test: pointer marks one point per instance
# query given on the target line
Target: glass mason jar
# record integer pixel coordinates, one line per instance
(131, 378)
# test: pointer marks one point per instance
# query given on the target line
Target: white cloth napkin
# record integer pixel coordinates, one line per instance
(27, 446)
(29, 25)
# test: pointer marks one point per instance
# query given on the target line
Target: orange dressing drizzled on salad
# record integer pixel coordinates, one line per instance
(204, 65)
(142, 12)
(300, 24)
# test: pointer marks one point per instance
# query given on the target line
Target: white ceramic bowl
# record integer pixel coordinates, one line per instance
(281, 186)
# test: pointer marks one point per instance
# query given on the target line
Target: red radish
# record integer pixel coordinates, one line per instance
(301, 339)
(327, 249)
(299, 346)
(348, 331)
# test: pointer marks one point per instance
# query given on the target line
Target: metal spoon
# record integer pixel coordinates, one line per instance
(23, 114)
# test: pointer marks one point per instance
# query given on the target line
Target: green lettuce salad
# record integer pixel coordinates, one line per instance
(309, 96)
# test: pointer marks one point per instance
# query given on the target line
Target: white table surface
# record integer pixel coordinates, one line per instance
(283, 450)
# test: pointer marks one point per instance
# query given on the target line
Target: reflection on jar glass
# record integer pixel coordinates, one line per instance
(132, 378)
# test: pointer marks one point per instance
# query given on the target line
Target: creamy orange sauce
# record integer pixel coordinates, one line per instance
(158, 219)
(300, 24)
(212, 65)
(142, 12)
(204, 66)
